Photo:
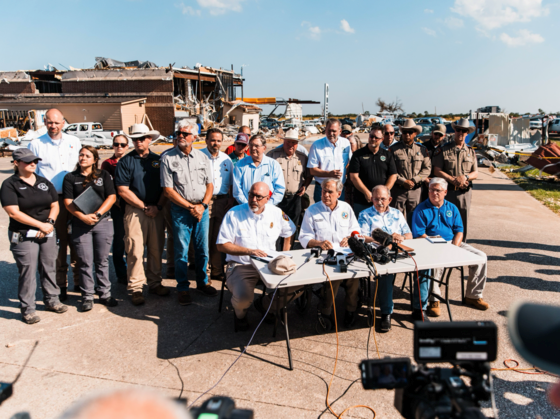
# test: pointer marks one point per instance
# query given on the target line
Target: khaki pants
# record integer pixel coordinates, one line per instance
(170, 254)
(406, 201)
(140, 231)
(476, 280)
(462, 200)
(351, 299)
(61, 227)
(241, 282)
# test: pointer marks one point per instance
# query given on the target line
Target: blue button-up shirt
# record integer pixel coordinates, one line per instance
(384, 147)
(268, 171)
(433, 221)
(391, 221)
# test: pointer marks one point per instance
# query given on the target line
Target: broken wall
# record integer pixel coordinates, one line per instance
(499, 124)
(520, 130)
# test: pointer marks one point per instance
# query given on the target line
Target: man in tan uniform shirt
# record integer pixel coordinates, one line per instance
(413, 166)
(456, 163)
(296, 175)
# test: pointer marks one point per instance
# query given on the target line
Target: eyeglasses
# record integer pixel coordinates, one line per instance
(255, 145)
(390, 133)
(437, 190)
(381, 199)
(182, 134)
(121, 145)
(141, 138)
(259, 198)
(461, 131)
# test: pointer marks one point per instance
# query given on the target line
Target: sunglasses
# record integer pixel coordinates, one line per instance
(31, 162)
(257, 197)
(390, 133)
(121, 145)
(240, 145)
(182, 134)
(142, 138)
(438, 134)
(408, 132)
(461, 131)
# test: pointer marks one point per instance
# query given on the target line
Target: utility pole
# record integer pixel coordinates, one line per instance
(326, 102)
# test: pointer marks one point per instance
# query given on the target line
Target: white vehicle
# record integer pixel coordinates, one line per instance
(91, 133)
(535, 123)
(554, 125)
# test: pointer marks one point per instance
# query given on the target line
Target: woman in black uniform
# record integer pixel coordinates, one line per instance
(31, 202)
(92, 234)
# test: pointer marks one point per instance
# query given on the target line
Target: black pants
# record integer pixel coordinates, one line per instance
(291, 205)
(119, 261)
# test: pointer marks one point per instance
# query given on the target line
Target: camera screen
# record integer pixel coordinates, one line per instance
(385, 374)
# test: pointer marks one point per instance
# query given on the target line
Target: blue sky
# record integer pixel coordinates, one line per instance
(455, 55)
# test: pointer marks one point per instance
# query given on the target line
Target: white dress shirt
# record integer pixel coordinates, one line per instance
(222, 168)
(327, 156)
(58, 157)
(391, 221)
(254, 231)
(320, 223)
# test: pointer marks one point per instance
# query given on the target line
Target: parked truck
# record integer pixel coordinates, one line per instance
(92, 133)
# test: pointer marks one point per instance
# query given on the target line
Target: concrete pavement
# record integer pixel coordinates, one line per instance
(183, 351)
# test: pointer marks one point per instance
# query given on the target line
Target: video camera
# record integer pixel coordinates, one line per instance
(427, 393)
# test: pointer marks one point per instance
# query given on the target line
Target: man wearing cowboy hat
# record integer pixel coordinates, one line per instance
(437, 139)
(456, 163)
(413, 167)
(296, 175)
(138, 183)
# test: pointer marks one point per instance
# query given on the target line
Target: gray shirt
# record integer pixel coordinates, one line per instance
(188, 174)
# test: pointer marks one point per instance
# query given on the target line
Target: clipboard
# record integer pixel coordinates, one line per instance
(89, 201)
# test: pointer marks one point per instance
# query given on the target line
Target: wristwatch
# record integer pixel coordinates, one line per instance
(159, 207)
(50, 221)
(204, 205)
(98, 215)
(467, 177)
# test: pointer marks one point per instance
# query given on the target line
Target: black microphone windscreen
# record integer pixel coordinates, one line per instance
(381, 237)
(357, 247)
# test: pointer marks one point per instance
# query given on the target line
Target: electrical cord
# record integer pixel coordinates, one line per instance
(523, 370)
(250, 340)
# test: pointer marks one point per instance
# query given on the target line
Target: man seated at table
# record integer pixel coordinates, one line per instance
(329, 224)
(438, 217)
(391, 221)
(251, 229)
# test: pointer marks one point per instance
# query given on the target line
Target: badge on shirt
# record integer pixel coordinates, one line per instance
(285, 217)
(271, 225)
(155, 164)
(43, 187)
(449, 213)
(366, 157)
(99, 182)
(345, 215)
(382, 158)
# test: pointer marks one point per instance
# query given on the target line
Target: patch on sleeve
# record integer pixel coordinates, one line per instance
(284, 216)
(155, 164)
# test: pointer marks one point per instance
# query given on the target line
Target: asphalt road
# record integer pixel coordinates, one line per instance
(182, 351)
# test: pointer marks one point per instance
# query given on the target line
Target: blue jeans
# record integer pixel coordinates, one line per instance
(319, 190)
(119, 261)
(186, 226)
(424, 290)
(385, 291)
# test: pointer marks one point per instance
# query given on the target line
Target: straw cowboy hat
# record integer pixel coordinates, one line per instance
(440, 128)
(141, 130)
(463, 123)
(292, 134)
(410, 125)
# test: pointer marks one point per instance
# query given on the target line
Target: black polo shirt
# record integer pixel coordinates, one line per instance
(372, 169)
(73, 185)
(34, 201)
(141, 175)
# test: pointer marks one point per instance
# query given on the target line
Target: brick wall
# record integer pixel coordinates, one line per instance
(17, 88)
(162, 118)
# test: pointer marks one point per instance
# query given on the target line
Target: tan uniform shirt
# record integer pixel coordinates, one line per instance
(294, 168)
(413, 163)
(455, 161)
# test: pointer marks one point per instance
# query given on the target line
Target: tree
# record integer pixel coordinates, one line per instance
(393, 107)
(426, 113)
(541, 111)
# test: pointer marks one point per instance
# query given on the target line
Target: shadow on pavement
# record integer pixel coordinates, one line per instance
(528, 283)
(515, 245)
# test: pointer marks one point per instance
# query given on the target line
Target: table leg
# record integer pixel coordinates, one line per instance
(285, 313)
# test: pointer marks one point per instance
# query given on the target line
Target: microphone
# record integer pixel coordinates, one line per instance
(381, 237)
(357, 247)
(359, 236)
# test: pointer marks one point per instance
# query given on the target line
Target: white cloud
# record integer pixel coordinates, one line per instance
(492, 14)
(314, 32)
(429, 31)
(345, 26)
(428, 11)
(525, 38)
(219, 7)
(188, 10)
(453, 22)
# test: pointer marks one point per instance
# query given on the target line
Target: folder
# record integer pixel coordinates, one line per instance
(89, 201)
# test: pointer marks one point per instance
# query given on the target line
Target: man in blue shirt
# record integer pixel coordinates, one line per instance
(257, 167)
(438, 217)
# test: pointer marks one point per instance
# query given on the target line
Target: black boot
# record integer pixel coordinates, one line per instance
(63, 294)
(385, 322)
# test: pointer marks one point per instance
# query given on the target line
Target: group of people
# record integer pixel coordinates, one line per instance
(218, 209)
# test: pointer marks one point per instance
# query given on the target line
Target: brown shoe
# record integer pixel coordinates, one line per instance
(433, 309)
(477, 303)
(160, 290)
(137, 298)
(184, 298)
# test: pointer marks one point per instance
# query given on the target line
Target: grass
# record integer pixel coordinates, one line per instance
(545, 191)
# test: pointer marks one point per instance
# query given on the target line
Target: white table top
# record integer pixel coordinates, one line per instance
(428, 256)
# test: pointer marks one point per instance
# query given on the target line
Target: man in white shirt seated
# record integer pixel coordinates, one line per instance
(391, 221)
(328, 224)
(251, 229)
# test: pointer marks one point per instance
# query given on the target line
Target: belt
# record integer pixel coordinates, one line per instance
(219, 196)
